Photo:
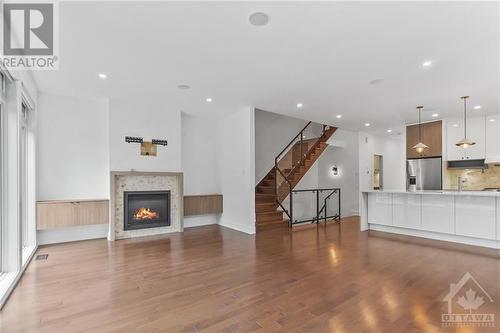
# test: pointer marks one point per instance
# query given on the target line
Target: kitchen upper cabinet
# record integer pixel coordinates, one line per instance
(475, 131)
(493, 138)
(431, 136)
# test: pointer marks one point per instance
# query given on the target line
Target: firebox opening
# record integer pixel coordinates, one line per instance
(146, 209)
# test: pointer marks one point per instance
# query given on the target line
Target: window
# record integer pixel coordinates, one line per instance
(25, 180)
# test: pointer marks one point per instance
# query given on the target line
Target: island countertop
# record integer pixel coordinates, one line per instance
(441, 192)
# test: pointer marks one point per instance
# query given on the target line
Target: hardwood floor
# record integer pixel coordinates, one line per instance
(213, 279)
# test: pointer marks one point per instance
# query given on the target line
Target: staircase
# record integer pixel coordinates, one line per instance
(290, 166)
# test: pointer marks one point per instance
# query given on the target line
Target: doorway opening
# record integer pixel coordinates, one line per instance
(378, 178)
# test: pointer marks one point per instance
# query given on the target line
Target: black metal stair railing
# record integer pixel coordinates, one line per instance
(315, 205)
(286, 175)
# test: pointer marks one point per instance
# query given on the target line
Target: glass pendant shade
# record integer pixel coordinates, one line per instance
(420, 147)
(465, 142)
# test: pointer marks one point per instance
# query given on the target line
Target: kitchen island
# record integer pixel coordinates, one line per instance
(468, 217)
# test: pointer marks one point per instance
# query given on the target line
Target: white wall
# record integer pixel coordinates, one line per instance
(272, 133)
(199, 162)
(126, 119)
(393, 150)
(236, 169)
(346, 159)
(73, 149)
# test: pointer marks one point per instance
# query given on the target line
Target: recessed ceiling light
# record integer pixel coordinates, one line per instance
(209, 100)
(376, 81)
(389, 131)
(477, 107)
(492, 120)
(183, 86)
(455, 125)
(102, 76)
(259, 19)
(426, 63)
(299, 105)
(367, 124)
(435, 115)
(338, 116)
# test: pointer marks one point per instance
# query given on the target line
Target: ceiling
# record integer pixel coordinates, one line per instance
(321, 54)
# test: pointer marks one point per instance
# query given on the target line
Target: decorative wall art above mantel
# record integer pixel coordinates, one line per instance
(148, 148)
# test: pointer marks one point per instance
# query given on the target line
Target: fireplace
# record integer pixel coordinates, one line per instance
(146, 209)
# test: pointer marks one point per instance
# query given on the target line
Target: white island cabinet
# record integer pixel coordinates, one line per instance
(466, 217)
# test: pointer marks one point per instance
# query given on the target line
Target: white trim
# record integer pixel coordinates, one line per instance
(72, 234)
(199, 220)
(9, 280)
(436, 236)
(238, 227)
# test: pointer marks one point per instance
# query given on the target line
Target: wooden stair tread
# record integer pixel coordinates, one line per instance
(269, 190)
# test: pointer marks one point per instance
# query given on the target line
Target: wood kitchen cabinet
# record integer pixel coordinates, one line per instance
(431, 136)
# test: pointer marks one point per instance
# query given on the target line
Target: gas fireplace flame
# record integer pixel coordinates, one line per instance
(146, 214)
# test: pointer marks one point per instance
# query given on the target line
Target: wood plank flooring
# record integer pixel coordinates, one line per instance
(213, 279)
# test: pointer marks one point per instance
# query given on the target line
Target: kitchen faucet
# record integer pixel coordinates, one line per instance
(460, 182)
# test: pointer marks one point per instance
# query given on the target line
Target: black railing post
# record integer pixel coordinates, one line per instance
(339, 204)
(291, 209)
(301, 147)
(317, 206)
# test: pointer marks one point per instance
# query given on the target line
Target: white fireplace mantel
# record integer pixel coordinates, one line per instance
(145, 181)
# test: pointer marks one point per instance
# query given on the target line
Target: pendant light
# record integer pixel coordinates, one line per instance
(465, 142)
(420, 146)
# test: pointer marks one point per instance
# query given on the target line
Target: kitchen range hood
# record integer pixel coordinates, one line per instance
(467, 164)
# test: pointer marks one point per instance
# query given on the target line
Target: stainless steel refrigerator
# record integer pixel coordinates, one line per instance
(424, 174)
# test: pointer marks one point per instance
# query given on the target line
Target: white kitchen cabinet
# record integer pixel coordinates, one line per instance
(498, 219)
(475, 131)
(380, 208)
(438, 213)
(475, 216)
(406, 210)
(493, 138)
(454, 133)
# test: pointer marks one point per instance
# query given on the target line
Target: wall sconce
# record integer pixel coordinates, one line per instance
(335, 170)
(148, 148)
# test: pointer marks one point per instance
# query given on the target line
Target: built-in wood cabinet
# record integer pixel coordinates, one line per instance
(60, 214)
(476, 131)
(431, 136)
(203, 204)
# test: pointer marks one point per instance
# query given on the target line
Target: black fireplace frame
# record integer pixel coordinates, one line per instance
(127, 226)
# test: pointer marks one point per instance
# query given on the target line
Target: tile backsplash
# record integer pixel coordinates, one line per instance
(475, 179)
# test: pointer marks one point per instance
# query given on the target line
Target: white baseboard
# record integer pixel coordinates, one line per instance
(71, 234)
(247, 229)
(197, 221)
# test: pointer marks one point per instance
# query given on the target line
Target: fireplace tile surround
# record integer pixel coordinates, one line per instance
(129, 181)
